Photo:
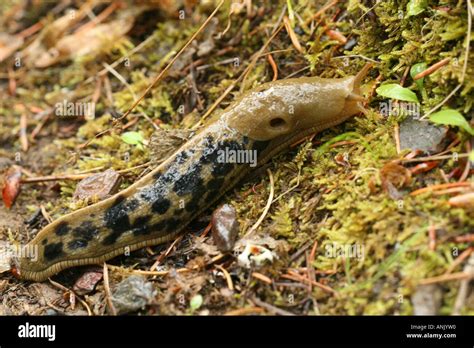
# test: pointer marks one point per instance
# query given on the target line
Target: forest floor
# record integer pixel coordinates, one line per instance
(375, 216)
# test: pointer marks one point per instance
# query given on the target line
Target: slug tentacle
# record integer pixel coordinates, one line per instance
(259, 124)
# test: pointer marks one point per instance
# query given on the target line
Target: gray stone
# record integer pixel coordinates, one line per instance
(421, 135)
(131, 294)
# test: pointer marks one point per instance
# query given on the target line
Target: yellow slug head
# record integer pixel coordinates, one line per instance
(290, 106)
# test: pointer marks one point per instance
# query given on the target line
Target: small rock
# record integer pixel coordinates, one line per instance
(225, 227)
(420, 135)
(99, 185)
(50, 312)
(132, 293)
(427, 300)
(87, 282)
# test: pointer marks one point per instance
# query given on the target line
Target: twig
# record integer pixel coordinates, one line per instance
(262, 277)
(62, 287)
(23, 136)
(274, 67)
(166, 253)
(45, 214)
(108, 295)
(267, 207)
(396, 132)
(432, 69)
(464, 255)
(75, 176)
(440, 187)
(292, 35)
(322, 10)
(272, 309)
(433, 158)
(446, 278)
(245, 311)
(206, 230)
(464, 288)
(227, 277)
(297, 277)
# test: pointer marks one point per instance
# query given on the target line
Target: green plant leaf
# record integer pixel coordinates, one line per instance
(452, 118)
(196, 302)
(415, 70)
(415, 7)
(133, 138)
(395, 91)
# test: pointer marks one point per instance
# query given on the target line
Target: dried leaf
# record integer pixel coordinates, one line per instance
(11, 187)
(98, 186)
(394, 176)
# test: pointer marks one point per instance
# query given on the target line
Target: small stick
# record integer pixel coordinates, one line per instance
(23, 136)
(62, 287)
(446, 278)
(297, 277)
(432, 69)
(292, 34)
(227, 277)
(322, 10)
(108, 296)
(45, 214)
(100, 17)
(274, 67)
(206, 230)
(74, 176)
(160, 258)
(396, 131)
(439, 187)
(432, 158)
(271, 308)
(464, 255)
(267, 207)
(262, 277)
(245, 311)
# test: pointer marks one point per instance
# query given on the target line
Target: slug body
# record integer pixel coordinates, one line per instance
(263, 122)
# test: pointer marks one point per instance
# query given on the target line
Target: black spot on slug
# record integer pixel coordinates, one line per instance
(77, 244)
(86, 231)
(62, 228)
(181, 157)
(116, 218)
(188, 182)
(53, 251)
(140, 226)
(161, 205)
(193, 205)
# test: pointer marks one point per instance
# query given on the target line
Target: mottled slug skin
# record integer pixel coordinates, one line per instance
(161, 204)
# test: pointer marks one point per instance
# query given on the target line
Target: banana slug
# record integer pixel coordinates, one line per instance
(263, 121)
